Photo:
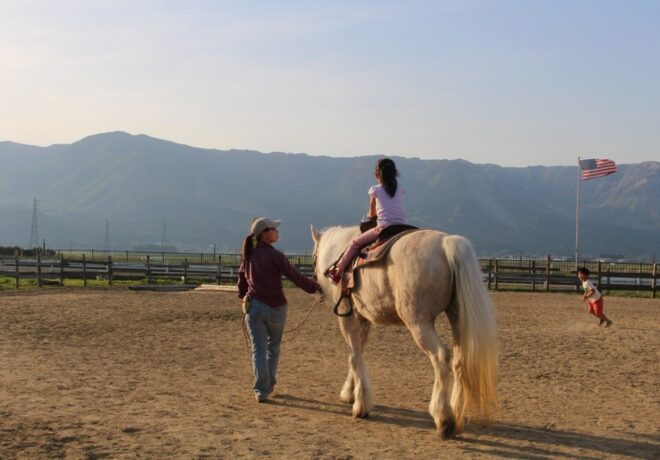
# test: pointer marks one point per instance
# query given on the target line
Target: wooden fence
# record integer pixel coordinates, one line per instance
(554, 275)
(48, 271)
(524, 274)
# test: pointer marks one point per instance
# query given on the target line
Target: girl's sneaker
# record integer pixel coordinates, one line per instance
(333, 276)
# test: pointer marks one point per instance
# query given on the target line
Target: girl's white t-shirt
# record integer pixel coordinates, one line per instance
(389, 209)
(588, 284)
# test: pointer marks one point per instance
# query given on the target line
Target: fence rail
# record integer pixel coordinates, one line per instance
(47, 271)
(526, 274)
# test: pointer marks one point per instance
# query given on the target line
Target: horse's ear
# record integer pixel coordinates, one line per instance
(316, 235)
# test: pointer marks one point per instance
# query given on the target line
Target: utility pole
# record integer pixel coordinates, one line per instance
(163, 236)
(106, 241)
(34, 232)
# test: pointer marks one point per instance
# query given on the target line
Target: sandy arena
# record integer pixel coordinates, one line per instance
(122, 374)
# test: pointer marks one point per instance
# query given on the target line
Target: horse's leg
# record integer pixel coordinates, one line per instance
(427, 339)
(357, 388)
(457, 397)
(457, 391)
(346, 393)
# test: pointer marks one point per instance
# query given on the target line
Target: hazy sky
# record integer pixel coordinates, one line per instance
(508, 82)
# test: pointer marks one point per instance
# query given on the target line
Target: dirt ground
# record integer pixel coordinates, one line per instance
(123, 374)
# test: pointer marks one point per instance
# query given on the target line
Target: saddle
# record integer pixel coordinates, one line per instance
(377, 250)
(373, 253)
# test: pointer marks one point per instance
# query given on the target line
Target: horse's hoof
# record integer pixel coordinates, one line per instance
(447, 429)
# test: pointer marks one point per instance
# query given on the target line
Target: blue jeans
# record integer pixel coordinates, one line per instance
(266, 326)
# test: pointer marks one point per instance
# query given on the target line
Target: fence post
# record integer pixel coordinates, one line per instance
(653, 280)
(109, 270)
(609, 266)
(533, 275)
(18, 272)
(84, 262)
(147, 269)
(600, 274)
(490, 272)
(219, 274)
(61, 269)
(548, 264)
(497, 281)
(185, 271)
(38, 268)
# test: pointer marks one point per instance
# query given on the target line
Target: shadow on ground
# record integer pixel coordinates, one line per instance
(491, 438)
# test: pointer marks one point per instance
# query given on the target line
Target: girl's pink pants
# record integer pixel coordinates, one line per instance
(357, 243)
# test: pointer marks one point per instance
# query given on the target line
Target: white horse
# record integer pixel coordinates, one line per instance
(424, 274)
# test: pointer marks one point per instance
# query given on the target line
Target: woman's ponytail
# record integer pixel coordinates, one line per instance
(388, 174)
(248, 246)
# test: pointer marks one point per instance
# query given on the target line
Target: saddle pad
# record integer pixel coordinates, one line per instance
(378, 251)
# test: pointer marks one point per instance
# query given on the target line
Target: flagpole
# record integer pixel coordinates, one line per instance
(577, 215)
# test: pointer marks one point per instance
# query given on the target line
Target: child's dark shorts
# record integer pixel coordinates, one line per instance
(596, 307)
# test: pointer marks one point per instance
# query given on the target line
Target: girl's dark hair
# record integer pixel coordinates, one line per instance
(388, 174)
(248, 245)
(584, 270)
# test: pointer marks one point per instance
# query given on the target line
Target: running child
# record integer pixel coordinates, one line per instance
(594, 297)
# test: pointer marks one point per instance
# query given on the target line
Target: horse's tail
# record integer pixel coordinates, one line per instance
(475, 335)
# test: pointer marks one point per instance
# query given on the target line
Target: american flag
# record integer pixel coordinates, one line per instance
(596, 168)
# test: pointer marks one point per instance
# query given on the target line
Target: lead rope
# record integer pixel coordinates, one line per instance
(248, 340)
(246, 334)
(309, 312)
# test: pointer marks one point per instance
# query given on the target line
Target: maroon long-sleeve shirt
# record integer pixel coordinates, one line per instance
(261, 277)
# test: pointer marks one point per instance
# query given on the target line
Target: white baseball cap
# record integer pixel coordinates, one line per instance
(262, 223)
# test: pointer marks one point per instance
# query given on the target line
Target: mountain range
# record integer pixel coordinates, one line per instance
(208, 198)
